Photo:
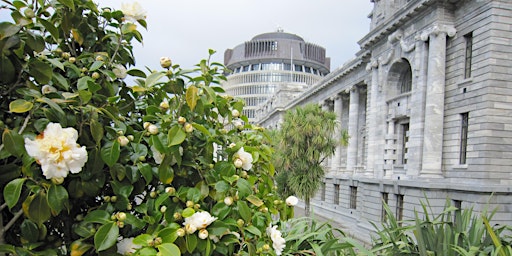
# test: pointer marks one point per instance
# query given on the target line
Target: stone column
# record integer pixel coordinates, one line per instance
(327, 162)
(372, 118)
(434, 102)
(353, 124)
(338, 110)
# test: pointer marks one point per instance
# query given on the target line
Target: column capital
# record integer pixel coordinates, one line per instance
(436, 30)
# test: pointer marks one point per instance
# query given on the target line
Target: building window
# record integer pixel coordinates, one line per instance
(383, 214)
(457, 204)
(336, 194)
(353, 197)
(399, 211)
(406, 80)
(405, 139)
(322, 194)
(464, 124)
(468, 59)
(274, 46)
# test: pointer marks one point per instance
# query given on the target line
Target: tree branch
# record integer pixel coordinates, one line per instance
(11, 222)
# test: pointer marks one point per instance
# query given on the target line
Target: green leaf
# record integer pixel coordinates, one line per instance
(82, 83)
(201, 129)
(142, 239)
(244, 187)
(191, 97)
(96, 130)
(95, 65)
(51, 28)
(41, 71)
(59, 80)
(168, 234)
(106, 236)
(77, 36)
(57, 198)
(12, 191)
(222, 186)
(35, 42)
(255, 200)
(110, 153)
(244, 210)
(20, 106)
(136, 72)
(36, 208)
(7, 248)
(97, 216)
(191, 242)
(68, 3)
(169, 249)
(7, 72)
(176, 135)
(13, 142)
(254, 230)
(153, 79)
(145, 170)
(29, 231)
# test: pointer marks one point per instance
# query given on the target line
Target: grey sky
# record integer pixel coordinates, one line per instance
(184, 30)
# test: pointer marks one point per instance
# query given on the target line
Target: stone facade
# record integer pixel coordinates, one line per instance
(427, 104)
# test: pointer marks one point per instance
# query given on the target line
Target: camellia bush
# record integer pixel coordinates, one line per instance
(91, 164)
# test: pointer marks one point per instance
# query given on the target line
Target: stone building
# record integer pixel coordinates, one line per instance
(274, 66)
(427, 103)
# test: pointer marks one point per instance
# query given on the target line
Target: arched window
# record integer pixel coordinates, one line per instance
(406, 80)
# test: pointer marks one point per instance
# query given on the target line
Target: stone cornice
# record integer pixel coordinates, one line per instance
(390, 26)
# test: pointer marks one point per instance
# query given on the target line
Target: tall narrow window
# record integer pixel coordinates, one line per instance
(464, 124)
(405, 139)
(322, 194)
(383, 214)
(399, 208)
(353, 197)
(468, 55)
(457, 214)
(406, 80)
(336, 194)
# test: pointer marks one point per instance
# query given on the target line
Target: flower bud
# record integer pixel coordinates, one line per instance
(29, 13)
(153, 129)
(190, 204)
(129, 207)
(228, 200)
(47, 89)
(240, 222)
(106, 199)
(235, 113)
(164, 105)
(181, 120)
(163, 208)
(130, 137)
(197, 206)
(99, 58)
(72, 60)
(180, 232)
(153, 194)
(177, 216)
(146, 125)
(190, 229)
(113, 199)
(121, 216)
(203, 234)
(66, 55)
(243, 174)
(238, 163)
(95, 75)
(266, 247)
(158, 241)
(189, 128)
(123, 141)
(120, 224)
(57, 180)
(170, 190)
(165, 62)
(292, 201)
(232, 145)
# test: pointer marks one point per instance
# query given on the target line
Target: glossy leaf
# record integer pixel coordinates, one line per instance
(41, 71)
(110, 153)
(255, 200)
(191, 97)
(57, 198)
(169, 249)
(13, 142)
(176, 135)
(36, 208)
(12, 191)
(191, 242)
(244, 210)
(106, 236)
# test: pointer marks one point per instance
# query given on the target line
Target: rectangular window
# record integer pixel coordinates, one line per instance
(468, 55)
(405, 139)
(464, 124)
(399, 211)
(322, 194)
(383, 214)
(353, 197)
(336, 194)
(456, 216)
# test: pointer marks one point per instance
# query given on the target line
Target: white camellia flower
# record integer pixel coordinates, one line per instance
(199, 220)
(245, 157)
(126, 246)
(133, 11)
(56, 151)
(278, 242)
(292, 201)
(47, 89)
(120, 71)
(159, 157)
